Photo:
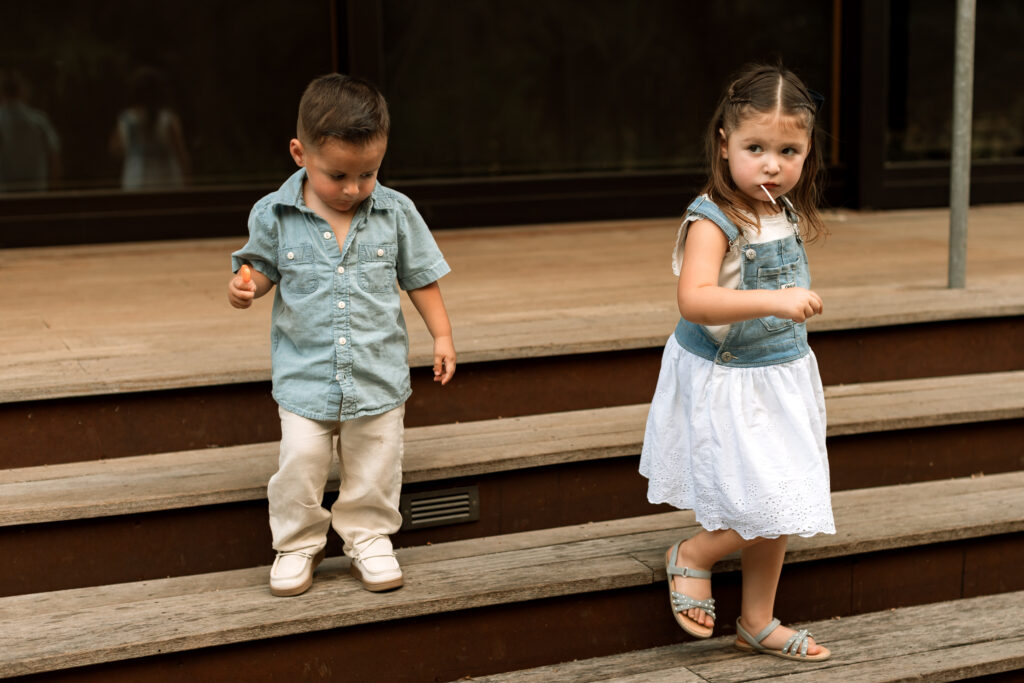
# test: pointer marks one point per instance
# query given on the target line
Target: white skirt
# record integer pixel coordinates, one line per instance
(744, 448)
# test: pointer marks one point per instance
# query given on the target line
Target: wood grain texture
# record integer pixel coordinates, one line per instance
(889, 517)
(82, 626)
(908, 644)
(223, 475)
(158, 625)
(933, 401)
(99, 319)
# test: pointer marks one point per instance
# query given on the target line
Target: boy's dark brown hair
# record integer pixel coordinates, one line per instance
(758, 90)
(344, 107)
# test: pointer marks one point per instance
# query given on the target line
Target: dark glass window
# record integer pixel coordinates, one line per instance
(227, 75)
(504, 87)
(921, 80)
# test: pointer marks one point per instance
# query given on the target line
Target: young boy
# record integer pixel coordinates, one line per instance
(335, 242)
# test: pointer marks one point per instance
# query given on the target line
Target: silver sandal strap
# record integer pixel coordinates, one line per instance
(682, 602)
(767, 631)
(797, 640)
(675, 570)
(688, 573)
(796, 645)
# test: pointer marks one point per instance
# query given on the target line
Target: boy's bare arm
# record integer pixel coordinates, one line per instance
(241, 294)
(430, 305)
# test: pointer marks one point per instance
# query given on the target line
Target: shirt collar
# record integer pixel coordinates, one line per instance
(290, 194)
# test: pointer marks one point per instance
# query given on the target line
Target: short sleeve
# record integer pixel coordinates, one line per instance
(420, 261)
(677, 252)
(261, 249)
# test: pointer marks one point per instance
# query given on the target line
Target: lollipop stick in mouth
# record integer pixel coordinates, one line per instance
(770, 197)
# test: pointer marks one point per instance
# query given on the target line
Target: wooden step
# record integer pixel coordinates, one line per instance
(145, 317)
(74, 628)
(223, 475)
(134, 348)
(911, 643)
(120, 424)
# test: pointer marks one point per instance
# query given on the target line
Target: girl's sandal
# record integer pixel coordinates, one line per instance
(681, 602)
(795, 647)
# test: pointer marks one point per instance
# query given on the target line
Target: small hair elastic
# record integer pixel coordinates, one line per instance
(817, 98)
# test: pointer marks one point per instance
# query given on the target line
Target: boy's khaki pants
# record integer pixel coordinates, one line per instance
(370, 451)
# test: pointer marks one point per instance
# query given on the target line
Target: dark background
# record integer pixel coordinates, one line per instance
(503, 111)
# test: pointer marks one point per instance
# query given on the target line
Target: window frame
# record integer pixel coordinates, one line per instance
(882, 184)
(863, 178)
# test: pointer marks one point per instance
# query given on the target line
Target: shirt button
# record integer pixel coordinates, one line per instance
(338, 377)
(380, 252)
(291, 255)
(327, 235)
(342, 341)
(341, 304)
(341, 270)
(726, 357)
(751, 254)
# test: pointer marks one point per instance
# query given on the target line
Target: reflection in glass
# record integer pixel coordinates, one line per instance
(506, 87)
(921, 80)
(148, 136)
(231, 75)
(29, 145)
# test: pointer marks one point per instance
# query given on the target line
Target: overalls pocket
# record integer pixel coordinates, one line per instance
(780, 277)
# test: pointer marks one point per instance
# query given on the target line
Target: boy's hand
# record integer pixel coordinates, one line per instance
(242, 289)
(444, 359)
(798, 304)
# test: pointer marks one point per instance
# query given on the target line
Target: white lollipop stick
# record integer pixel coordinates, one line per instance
(770, 197)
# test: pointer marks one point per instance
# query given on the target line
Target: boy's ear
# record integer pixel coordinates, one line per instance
(723, 143)
(297, 151)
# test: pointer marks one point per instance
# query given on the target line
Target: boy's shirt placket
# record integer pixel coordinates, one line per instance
(342, 313)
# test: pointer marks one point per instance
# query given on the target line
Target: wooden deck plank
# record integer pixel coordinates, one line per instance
(99, 319)
(910, 643)
(230, 474)
(77, 638)
(931, 512)
(910, 404)
(82, 626)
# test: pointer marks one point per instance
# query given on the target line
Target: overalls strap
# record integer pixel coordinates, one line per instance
(703, 207)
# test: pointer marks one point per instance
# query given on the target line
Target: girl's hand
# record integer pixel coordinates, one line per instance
(241, 291)
(444, 359)
(797, 304)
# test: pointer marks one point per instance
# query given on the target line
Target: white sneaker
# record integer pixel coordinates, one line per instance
(292, 573)
(377, 567)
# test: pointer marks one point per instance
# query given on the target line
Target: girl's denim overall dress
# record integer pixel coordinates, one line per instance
(770, 265)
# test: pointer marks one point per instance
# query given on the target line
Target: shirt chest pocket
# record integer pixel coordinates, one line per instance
(298, 272)
(377, 267)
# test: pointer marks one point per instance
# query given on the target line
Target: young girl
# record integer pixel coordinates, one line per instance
(736, 430)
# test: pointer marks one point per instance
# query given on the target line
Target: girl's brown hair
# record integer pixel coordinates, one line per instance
(343, 107)
(758, 90)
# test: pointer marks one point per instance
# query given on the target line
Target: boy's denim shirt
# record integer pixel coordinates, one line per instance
(768, 265)
(339, 346)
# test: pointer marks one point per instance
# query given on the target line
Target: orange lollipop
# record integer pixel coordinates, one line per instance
(246, 273)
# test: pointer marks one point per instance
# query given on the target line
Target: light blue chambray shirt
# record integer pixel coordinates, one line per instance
(339, 346)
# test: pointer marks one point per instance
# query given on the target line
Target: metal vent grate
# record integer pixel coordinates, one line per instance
(436, 508)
